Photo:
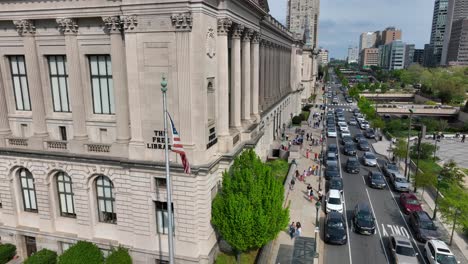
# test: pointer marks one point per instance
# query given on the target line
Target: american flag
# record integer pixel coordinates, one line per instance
(177, 147)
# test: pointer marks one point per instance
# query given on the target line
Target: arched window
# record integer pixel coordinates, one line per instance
(105, 198)
(28, 190)
(65, 193)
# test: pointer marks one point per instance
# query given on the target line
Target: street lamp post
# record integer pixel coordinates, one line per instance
(435, 149)
(419, 155)
(437, 198)
(318, 205)
(407, 147)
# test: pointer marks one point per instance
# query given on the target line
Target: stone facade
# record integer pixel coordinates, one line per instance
(235, 77)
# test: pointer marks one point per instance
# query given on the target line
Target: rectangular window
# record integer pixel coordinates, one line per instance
(212, 139)
(102, 85)
(59, 82)
(162, 219)
(63, 133)
(20, 83)
(160, 183)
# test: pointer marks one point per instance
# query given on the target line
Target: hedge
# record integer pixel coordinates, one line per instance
(119, 256)
(82, 253)
(297, 120)
(7, 252)
(43, 256)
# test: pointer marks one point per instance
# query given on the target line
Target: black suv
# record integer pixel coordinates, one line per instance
(369, 133)
(363, 145)
(363, 219)
(332, 148)
(335, 228)
(423, 226)
(346, 139)
(331, 171)
(358, 137)
(376, 180)
(335, 183)
(352, 165)
(349, 149)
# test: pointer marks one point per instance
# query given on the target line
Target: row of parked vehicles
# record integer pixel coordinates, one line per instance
(362, 219)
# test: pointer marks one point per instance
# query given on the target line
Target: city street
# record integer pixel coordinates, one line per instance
(389, 219)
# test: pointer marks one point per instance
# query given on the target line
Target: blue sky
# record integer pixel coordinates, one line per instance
(342, 21)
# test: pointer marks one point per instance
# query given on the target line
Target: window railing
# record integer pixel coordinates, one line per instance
(57, 144)
(17, 142)
(97, 147)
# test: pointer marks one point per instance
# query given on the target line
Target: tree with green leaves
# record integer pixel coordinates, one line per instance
(451, 174)
(248, 212)
(43, 256)
(454, 206)
(400, 150)
(82, 252)
(426, 150)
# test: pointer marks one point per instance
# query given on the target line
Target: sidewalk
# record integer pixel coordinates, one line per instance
(460, 242)
(301, 209)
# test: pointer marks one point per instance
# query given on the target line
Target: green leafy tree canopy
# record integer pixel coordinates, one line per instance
(43, 256)
(119, 256)
(82, 253)
(248, 212)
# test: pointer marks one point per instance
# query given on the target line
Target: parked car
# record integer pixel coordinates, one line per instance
(332, 171)
(358, 137)
(437, 252)
(346, 139)
(363, 145)
(410, 203)
(423, 226)
(376, 180)
(331, 157)
(352, 122)
(352, 165)
(349, 100)
(343, 126)
(389, 168)
(369, 159)
(334, 201)
(339, 111)
(345, 134)
(364, 124)
(369, 133)
(335, 229)
(331, 132)
(363, 219)
(341, 118)
(332, 148)
(335, 183)
(349, 149)
(402, 250)
(399, 182)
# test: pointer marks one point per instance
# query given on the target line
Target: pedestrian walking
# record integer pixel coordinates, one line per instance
(310, 192)
(315, 156)
(320, 195)
(463, 138)
(298, 229)
(310, 171)
(292, 230)
(307, 135)
(291, 184)
(297, 174)
(307, 153)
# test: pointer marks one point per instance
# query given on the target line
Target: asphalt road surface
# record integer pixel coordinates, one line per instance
(362, 249)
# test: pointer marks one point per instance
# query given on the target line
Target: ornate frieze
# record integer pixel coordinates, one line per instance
(129, 22)
(224, 24)
(24, 27)
(182, 21)
(112, 24)
(237, 31)
(67, 25)
(247, 35)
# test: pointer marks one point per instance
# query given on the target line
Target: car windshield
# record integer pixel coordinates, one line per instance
(336, 184)
(333, 200)
(402, 180)
(369, 156)
(364, 216)
(392, 167)
(446, 259)
(406, 251)
(335, 224)
(332, 168)
(352, 162)
(376, 176)
(331, 157)
(427, 225)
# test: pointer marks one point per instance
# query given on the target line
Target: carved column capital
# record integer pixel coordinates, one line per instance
(182, 21)
(237, 31)
(255, 37)
(247, 35)
(67, 25)
(25, 27)
(224, 24)
(129, 23)
(112, 24)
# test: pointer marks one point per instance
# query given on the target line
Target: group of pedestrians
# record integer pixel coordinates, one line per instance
(295, 229)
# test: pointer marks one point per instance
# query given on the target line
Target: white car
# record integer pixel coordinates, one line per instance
(331, 132)
(364, 124)
(437, 252)
(343, 126)
(334, 201)
(345, 133)
(360, 118)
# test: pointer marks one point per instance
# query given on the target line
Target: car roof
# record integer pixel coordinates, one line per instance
(334, 193)
(439, 244)
(402, 241)
(335, 215)
(332, 146)
(363, 206)
(336, 179)
(368, 153)
(352, 159)
(423, 215)
(376, 173)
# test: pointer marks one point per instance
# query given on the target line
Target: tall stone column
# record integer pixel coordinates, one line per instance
(27, 29)
(4, 122)
(255, 70)
(261, 92)
(119, 75)
(69, 28)
(281, 71)
(236, 76)
(223, 76)
(246, 73)
(269, 76)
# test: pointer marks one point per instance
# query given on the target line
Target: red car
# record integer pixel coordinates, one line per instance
(410, 203)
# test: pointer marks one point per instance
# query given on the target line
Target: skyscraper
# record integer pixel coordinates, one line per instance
(437, 32)
(458, 46)
(353, 54)
(409, 55)
(392, 55)
(456, 10)
(389, 35)
(367, 40)
(302, 17)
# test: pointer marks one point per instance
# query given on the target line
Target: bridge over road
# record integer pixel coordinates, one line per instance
(444, 112)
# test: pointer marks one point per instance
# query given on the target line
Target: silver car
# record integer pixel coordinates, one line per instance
(369, 159)
(402, 250)
(399, 182)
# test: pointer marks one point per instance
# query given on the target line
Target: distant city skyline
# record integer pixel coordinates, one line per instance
(341, 22)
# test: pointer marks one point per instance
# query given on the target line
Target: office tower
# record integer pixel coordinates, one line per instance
(418, 56)
(369, 57)
(389, 35)
(302, 17)
(437, 33)
(353, 54)
(458, 45)
(392, 55)
(367, 40)
(456, 10)
(409, 55)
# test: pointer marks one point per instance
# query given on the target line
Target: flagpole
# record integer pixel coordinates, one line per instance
(168, 176)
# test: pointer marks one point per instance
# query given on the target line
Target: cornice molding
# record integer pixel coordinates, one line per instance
(67, 25)
(112, 24)
(224, 24)
(182, 21)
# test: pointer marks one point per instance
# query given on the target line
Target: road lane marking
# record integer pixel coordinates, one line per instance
(395, 230)
(377, 225)
(345, 208)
